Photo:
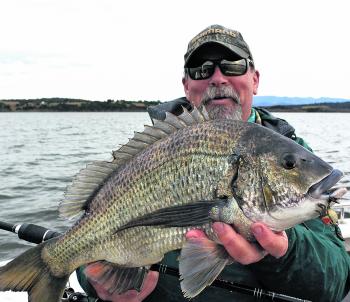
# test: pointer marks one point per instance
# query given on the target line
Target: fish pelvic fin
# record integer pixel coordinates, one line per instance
(28, 272)
(201, 261)
(116, 279)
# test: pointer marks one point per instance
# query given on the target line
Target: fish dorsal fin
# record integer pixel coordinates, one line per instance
(84, 185)
(94, 175)
(158, 131)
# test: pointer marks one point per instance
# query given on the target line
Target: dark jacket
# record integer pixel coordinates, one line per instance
(316, 266)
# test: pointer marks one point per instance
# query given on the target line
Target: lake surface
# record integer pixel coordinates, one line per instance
(41, 152)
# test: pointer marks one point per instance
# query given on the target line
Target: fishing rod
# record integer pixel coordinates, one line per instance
(38, 234)
(29, 232)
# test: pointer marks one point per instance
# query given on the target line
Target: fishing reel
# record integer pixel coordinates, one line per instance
(70, 295)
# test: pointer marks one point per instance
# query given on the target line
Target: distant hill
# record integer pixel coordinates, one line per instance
(317, 107)
(67, 104)
(264, 101)
(271, 103)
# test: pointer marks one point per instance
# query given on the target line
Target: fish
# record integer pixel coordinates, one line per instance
(183, 173)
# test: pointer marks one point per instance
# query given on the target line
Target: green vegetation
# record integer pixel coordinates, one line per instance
(64, 104)
(317, 107)
(4, 107)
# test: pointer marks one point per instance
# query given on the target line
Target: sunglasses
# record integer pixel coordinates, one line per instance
(227, 68)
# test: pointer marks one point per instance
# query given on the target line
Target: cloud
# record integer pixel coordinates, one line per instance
(99, 49)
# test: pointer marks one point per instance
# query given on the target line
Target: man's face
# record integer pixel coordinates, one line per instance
(219, 93)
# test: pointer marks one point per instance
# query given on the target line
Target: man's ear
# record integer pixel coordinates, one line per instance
(185, 84)
(256, 78)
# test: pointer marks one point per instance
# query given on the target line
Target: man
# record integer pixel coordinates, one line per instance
(307, 261)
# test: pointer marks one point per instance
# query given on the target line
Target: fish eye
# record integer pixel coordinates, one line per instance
(289, 161)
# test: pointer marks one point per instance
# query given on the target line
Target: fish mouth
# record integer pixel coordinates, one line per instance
(321, 189)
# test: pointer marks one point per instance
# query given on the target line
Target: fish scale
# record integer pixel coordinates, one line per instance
(137, 189)
(181, 174)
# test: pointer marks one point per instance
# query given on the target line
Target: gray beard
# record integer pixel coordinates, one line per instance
(222, 112)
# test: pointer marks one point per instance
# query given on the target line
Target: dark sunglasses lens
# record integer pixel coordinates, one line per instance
(233, 68)
(202, 72)
(228, 68)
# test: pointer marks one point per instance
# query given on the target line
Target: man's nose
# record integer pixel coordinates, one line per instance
(218, 79)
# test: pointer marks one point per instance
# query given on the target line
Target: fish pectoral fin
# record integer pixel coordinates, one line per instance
(191, 214)
(116, 279)
(200, 262)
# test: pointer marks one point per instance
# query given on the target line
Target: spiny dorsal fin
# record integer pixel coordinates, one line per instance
(83, 187)
(93, 176)
(159, 130)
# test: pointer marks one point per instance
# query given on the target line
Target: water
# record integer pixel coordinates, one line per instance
(41, 152)
(39, 155)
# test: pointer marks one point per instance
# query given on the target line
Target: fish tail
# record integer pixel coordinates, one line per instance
(28, 272)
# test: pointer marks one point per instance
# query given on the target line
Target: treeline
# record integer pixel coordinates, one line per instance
(65, 104)
(317, 107)
(4, 107)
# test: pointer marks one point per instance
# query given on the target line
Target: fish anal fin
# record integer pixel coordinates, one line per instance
(116, 279)
(201, 261)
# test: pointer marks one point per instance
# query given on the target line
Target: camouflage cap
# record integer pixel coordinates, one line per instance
(229, 38)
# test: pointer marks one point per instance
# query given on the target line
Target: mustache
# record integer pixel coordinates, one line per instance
(213, 92)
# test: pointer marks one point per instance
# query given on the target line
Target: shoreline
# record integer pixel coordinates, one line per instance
(79, 105)
(270, 109)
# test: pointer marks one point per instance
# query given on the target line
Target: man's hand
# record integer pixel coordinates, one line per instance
(131, 295)
(242, 251)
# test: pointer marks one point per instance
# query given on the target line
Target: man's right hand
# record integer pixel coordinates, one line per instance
(131, 295)
(243, 251)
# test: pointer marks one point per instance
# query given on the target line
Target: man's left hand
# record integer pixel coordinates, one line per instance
(131, 295)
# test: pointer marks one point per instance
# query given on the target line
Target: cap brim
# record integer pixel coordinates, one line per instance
(234, 49)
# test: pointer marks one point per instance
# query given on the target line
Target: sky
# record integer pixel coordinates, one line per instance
(133, 50)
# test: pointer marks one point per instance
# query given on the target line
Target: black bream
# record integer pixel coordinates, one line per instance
(179, 174)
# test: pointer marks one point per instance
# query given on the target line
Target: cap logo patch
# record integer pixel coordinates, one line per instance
(214, 31)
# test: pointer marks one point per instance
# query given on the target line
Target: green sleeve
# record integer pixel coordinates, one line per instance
(316, 266)
(85, 285)
(301, 142)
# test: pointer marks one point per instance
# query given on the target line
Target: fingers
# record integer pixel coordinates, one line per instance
(276, 244)
(244, 252)
(131, 295)
(149, 285)
(102, 293)
(238, 247)
(195, 234)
